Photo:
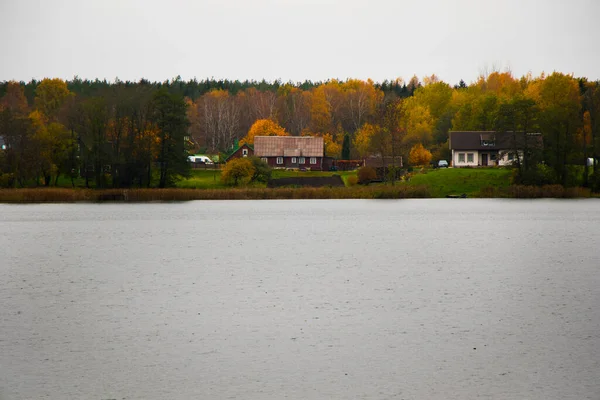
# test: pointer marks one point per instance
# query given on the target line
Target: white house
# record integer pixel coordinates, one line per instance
(489, 148)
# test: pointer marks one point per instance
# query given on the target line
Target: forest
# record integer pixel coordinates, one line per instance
(138, 134)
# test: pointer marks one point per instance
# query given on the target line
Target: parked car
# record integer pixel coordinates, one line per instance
(442, 164)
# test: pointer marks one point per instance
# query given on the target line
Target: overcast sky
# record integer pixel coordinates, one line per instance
(296, 39)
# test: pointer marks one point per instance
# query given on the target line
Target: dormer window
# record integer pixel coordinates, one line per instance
(488, 140)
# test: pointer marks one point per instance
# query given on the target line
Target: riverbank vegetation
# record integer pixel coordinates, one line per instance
(99, 134)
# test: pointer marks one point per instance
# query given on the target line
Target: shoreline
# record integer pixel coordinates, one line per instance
(76, 195)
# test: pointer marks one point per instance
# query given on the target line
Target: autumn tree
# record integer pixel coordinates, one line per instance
(363, 139)
(14, 99)
(419, 155)
(263, 127)
(559, 100)
(220, 119)
(239, 170)
(360, 102)
(294, 109)
(50, 95)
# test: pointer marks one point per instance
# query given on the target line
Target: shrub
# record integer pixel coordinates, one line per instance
(366, 175)
(419, 155)
(352, 180)
(7, 180)
(240, 170)
(262, 171)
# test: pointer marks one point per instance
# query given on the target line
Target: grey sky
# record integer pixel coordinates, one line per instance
(296, 39)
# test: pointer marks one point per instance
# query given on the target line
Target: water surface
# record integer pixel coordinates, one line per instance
(333, 299)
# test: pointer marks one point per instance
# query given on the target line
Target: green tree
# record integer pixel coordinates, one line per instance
(346, 147)
(170, 117)
(262, 171)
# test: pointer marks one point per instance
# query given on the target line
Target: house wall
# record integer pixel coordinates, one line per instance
(457, 163)
(501, 158)
(287, 163)
(239, 153)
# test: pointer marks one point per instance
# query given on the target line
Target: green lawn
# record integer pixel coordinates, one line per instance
(202, 179)
(470, 181)
(211, 179)
(281, 173)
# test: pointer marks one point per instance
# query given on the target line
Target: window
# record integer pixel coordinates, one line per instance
(313, 160)
(493, 157)
(264, 159)
(461, 157)
(488, 143)
(511, 156)
(470, 157)
(302, 160)
(294, 160)
(279, 160)
(245, 152)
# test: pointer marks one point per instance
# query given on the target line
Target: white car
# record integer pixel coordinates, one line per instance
(200, 159)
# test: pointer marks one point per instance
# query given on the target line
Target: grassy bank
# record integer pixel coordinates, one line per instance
(470, 181)
(206, 185)
(60, 195)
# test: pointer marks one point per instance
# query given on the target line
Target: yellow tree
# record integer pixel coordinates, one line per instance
(320, 111)
(419, 155)
(363, 138)
(418, 123)
(238, 171)
(332, 148)
(50, 95)
(263, 127)
(54, 145)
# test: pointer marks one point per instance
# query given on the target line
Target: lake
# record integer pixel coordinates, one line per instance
(313, 299)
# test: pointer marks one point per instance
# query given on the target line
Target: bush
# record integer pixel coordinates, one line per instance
(262, 171)
(352, 180)
(7, 180)
(419, 155)
(240, 170)
(366, 175)
(539, 175)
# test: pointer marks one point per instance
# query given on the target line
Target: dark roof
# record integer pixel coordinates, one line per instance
(491, 140)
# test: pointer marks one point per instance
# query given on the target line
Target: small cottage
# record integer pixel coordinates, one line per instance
(242, 151)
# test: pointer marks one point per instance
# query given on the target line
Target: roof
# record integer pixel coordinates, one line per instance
(297, 146)
(491, 140)
(237, 148)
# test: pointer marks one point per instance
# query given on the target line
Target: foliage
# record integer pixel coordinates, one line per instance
(169, 115)
(114, 139)
(352, 180)
(346, 147)
(366, 175)
(419, 155)
(263, 127)
(238, 171)
(262, 171)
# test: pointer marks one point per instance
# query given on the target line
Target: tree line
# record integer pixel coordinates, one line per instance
(126, 134)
